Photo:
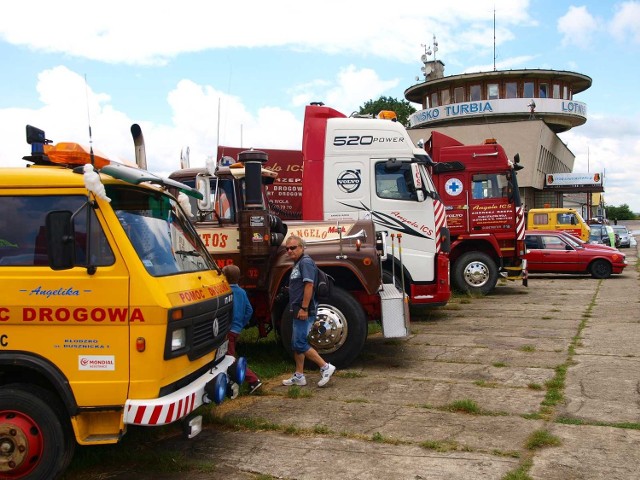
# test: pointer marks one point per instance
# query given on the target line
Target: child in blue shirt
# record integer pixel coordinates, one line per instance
(242, 311)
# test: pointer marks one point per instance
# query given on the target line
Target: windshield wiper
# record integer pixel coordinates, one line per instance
(190, 253)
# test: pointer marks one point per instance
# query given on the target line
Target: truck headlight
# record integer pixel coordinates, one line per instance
(178, 339)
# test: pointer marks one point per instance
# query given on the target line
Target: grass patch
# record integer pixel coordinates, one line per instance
(379, 438)
(439, 446)
(555, 387)
(520, 473)
(534, 386)
(464, 406)
(541, 439)
(499, 364)
(373, 328)
(527, 348)
(349, 374)
(356, 400)
(485, 384)
(265, 356)
(295, 391)
(532, 416)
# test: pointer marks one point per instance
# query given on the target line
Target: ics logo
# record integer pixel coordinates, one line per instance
(453, 187)
(349, 181)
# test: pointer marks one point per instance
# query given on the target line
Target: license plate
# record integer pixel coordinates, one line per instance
(222, 350)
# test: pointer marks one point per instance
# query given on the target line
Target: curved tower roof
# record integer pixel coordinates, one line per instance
(498, 96)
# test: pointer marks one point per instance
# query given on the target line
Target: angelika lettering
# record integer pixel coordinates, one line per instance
(60, 292)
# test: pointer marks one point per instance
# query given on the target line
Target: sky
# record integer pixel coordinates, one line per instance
(197, 73)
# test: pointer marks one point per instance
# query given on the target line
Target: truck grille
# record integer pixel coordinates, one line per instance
(203, 338)
(206, 327)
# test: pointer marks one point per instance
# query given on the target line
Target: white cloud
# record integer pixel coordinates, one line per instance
(610, 145)
(64, 117)
(507, 63)
(626, 22)
(578, 27)
(145, 32)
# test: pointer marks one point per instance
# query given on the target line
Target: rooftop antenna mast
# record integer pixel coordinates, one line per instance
(426, 70)
(494, 39)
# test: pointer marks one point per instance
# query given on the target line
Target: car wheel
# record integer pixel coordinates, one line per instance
(600, 269)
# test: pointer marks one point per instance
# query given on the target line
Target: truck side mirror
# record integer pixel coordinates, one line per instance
(203, 185)
(60, 240)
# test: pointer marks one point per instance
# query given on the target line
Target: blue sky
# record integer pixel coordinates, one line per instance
(170, 66)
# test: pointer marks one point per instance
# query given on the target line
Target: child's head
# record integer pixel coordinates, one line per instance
(232, 272)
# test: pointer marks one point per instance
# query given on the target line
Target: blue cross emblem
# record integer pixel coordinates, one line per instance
(453, 187)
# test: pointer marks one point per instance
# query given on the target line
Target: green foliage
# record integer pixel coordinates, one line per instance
(623, 212)
(402, 108)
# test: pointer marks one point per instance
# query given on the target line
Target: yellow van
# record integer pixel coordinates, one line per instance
(565, 219)
(112, 313)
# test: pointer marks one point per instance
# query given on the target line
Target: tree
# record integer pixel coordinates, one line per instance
(623, 212)
(402, 108)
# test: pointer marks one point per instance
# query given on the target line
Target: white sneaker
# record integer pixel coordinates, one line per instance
(295, 380)
(326, 375)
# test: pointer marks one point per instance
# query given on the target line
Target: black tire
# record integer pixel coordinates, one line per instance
(31, 414)
(600, 269)
(475, 273)
(339, 331)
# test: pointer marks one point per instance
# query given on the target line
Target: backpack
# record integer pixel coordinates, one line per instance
(324, 286)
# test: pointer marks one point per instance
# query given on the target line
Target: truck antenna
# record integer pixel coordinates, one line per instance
(86, 93)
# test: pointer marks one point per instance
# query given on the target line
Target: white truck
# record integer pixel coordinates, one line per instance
(361, 168)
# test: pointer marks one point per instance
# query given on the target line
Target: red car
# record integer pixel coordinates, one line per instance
(553, 252)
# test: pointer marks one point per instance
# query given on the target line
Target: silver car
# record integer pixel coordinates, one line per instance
(624, 236)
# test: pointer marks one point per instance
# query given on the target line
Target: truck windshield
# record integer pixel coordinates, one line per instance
(162, 236)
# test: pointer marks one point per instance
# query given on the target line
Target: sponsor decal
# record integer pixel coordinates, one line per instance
(256, 221)
(97, 362)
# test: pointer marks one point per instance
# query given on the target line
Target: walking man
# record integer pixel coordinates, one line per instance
(303, 307)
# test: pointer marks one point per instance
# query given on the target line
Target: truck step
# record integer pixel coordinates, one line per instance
(395, 312)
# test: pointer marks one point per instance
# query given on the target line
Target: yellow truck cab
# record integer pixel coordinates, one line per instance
(112, 313)
(565, 219)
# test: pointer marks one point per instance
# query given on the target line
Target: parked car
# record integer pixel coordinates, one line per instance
(552, 252)
(623, 235)
(573, 240)
(603, 234)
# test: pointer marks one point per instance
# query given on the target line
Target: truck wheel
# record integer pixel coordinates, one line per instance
(475, 272)
(33, 441)
(600, 269)
(339, 332)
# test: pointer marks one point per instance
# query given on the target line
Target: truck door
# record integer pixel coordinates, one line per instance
(76, 319)
(490, 210)
(455, 195)
(398, 209)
